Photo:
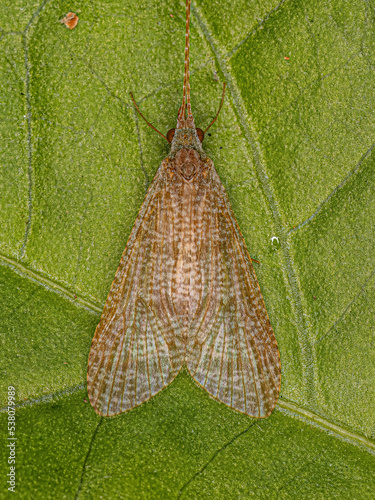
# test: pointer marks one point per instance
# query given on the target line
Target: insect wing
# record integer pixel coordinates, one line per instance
(232, 350)
(135, 351)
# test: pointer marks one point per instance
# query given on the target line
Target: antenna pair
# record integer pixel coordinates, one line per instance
(170, 133)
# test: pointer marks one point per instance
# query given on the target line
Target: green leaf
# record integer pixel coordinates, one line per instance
(293, 147)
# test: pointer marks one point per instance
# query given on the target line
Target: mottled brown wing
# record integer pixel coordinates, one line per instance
(232, 351)
(135, 351)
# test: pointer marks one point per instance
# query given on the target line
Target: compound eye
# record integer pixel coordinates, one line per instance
(200, 134)
(170, 135)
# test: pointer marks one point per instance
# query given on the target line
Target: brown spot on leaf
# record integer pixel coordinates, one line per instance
(70, 20)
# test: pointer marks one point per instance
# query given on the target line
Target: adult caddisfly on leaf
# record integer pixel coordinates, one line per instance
(185, 292)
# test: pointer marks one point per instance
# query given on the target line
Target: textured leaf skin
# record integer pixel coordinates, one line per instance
(312, 118)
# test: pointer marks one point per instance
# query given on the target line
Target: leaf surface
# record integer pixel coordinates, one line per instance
(293, 147)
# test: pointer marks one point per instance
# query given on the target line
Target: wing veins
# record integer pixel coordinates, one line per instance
(159, 361)
(231, 365)
(206, 311)
(212, 264)
(136, 371)
(223, 352)
(131, 340)
(249, 348)
(162, 298)
(252, 369)
(117, 364)
(241, 364)
(117, 316)
(214, 337)
(210, 292)
(146, 354)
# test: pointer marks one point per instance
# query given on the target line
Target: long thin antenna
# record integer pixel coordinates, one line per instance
(148, 123)
(182, 122)
(187, 46)
(221, 105)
